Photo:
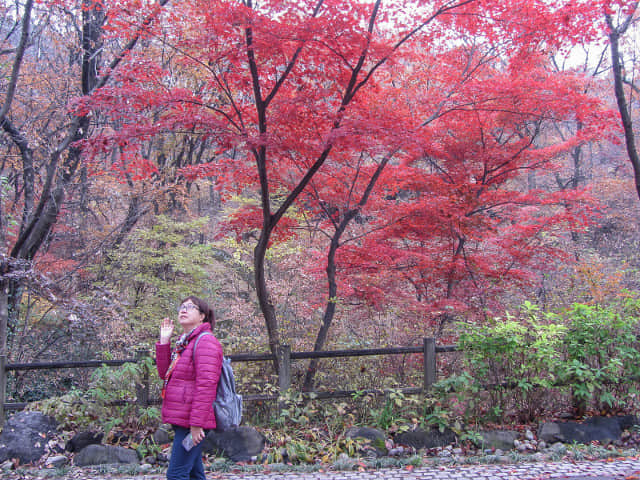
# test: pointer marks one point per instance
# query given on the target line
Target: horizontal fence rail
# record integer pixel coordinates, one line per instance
(285, 356)
(60, 365)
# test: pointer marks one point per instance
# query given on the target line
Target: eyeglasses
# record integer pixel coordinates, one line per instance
(187, 307)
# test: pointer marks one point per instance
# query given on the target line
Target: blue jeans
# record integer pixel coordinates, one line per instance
(185, 465)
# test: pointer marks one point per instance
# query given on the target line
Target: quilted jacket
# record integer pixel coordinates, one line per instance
(192, 386)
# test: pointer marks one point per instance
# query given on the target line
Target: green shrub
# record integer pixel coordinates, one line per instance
(396, 412)
(109, 403)
(519, 365)
(514, 360)
(601, 355)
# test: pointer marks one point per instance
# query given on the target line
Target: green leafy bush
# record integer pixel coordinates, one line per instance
(396, 411)
(109, 403)
(602, 355)
(524, 364)
(297, 409)
(517, 359)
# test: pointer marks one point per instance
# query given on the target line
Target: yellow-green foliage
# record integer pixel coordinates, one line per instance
(156, 268)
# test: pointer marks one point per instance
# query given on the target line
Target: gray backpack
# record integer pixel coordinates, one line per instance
(228, 404)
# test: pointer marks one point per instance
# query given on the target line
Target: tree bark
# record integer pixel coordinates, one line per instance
(615, 33)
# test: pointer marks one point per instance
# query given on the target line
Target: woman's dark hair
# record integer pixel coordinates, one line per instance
(204, 307)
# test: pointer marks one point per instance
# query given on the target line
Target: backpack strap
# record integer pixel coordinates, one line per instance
(197, 340)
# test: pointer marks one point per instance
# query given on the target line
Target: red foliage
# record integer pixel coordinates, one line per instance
(441, 107)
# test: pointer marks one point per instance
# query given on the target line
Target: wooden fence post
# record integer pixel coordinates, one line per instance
(429, 350)
(284, 375)
(3, 386)
(142, 389)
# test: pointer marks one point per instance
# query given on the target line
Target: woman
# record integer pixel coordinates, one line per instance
(190, 384)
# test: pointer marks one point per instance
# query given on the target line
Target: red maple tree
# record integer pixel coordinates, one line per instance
(416, 118)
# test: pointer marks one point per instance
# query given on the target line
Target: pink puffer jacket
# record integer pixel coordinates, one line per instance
(192, 387)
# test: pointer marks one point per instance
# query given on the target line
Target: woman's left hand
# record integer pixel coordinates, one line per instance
(198, 434)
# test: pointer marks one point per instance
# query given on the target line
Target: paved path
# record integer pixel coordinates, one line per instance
(617, 469)
(602, 470)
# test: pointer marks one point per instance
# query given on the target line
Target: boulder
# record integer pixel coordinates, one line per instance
(162, 435)
(420, 438)
(601, 429)
(104, 455)
(374, 440)
(83, 439)
(57, 461)
(497, 439)
(625, 421)
(25, 436)
(240, 444)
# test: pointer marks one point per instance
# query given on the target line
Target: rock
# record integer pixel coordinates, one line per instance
(162, 458)
(420, 438)
(57, 461)
(25, 436)
(602, 429)
(344, 462)
(626, 421)
(374, 440)
(240, 444)
(558, 448)
(162, 435)
(396, 452)
(498, 439)
(104, 455)
(82, 440)
(444, 453)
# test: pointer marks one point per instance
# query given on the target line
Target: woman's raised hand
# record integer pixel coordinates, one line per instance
(166, 330)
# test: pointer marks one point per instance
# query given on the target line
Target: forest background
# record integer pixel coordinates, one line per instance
(329, 174)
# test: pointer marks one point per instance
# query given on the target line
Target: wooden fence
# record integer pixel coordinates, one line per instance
(428, 349)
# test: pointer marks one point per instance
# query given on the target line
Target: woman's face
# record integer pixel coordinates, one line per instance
(189, 315)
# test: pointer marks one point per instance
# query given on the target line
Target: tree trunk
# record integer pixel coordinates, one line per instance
(623, 108)
(4, 307)
(264, 300)
(330, 310)
(5, 262)
(331, 270)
